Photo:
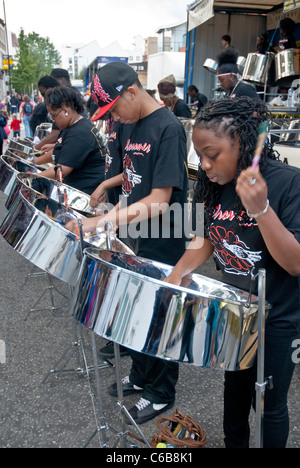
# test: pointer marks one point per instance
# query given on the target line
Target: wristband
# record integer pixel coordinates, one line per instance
(257, 215)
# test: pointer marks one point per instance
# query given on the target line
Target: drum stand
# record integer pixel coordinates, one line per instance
(262, 382)
(78, 346)
(103, 426)
(50, 288)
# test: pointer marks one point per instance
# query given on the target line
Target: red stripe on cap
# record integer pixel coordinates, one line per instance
(102, 110)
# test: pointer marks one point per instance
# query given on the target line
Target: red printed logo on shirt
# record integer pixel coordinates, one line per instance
(130, 178)
(231, 252)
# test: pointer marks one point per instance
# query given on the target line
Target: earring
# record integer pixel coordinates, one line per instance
(66, 114)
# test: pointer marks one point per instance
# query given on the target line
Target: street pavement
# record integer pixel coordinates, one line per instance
(44, 409)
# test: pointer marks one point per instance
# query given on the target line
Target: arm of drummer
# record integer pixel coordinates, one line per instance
(99, 195)
(50, 139)
(198, 251)
(44, 159)
(280, 242)
(51, 174)
(149, 207)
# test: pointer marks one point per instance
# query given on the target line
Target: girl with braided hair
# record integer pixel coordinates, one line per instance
(252, 221)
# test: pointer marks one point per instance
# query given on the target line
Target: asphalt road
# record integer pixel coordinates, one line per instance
(59, 412)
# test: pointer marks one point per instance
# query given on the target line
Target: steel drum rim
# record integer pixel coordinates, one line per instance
(19, 159)
(73, 212)
(89, 253)
(22, 175)
(44, 216)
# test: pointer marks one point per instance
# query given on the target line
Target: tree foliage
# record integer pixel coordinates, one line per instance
(36, 56)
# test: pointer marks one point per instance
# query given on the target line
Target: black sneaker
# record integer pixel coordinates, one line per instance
(127, 386)
(144, 410)
(108, 351)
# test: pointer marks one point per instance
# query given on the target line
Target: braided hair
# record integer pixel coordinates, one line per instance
(236, 118)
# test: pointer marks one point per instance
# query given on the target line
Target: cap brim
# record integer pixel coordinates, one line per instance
(102, 110)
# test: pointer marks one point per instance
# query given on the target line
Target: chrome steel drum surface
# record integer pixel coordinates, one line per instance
(203, 322)
(192, 158)
(256, 67)
(34, 227)
(22, 148)
(43, 130)
(287, 64)
(10, 167)
(293, 138)
(68, 196)
(241, 62)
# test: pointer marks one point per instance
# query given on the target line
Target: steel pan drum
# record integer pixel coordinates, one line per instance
(241, 62)
(257, 67)
(43, 130)
(211, 65)
(68, 196)
(192, 158)
(287, 65)
(202, 322)
(34, 227)
(10, 167)
(22, 148)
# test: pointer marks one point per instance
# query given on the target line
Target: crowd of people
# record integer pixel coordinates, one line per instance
(145, 163)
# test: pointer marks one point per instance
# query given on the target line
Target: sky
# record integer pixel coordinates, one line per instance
(68, 22)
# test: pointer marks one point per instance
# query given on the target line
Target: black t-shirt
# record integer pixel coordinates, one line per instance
(200, 100)
(243, 89)
(81, 147)
(114, 162)
(155, 156)
(39, 116)
(286, 42)
(239, 249)
(181, 109)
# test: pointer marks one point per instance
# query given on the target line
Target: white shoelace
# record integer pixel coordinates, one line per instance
(142, 404)
(126, 380)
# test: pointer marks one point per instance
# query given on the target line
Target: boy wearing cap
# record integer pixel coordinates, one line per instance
(154, 178)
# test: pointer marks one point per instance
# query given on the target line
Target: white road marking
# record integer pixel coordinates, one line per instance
(2, 352)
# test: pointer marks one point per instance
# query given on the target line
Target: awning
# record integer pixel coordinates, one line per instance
(201, 11)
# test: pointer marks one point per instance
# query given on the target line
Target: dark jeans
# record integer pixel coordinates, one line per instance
(156, 376)
(239, 395)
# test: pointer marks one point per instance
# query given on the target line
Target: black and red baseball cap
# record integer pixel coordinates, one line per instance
(111, 80)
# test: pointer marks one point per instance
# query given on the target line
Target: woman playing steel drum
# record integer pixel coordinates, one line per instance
(252, 222)
(79, 150)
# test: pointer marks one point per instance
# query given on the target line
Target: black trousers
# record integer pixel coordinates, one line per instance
(156, 376)
(239, 395)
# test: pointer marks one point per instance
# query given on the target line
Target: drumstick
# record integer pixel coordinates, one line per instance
(263, 130)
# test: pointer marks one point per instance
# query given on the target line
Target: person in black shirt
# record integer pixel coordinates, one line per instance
(262, 43)
(252, 222)
(167, 89)
(198, 99)
(286, 28)
(154, 178)
(40, 113)
(79, 149)
(111, 189)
